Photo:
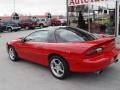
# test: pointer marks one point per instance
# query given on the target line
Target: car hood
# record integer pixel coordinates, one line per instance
(13, 41)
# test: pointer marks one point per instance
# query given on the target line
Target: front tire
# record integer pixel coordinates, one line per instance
(12, 54)
(58, 67)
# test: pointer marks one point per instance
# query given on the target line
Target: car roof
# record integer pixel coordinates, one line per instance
(52, 28)
(62, 27)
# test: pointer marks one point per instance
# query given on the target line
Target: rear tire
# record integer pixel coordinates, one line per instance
(52, 24)
(16, 30)
(58, 67)
(13, 54)
(27, 28)
(1, 30)
(41, 25)
(32, 27)
(9, 29)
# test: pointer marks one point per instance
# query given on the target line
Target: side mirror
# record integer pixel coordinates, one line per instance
(22, 39)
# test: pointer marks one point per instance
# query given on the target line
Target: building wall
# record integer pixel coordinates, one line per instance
(8, 18)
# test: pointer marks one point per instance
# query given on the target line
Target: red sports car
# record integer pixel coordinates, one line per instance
(65, 50)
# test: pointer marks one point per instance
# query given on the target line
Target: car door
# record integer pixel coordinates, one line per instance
(33, 48)
(3, 26)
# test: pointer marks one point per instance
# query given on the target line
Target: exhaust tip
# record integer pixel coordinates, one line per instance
(99, 72)
(116, 61)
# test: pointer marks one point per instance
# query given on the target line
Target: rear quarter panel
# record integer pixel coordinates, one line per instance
(71, 52)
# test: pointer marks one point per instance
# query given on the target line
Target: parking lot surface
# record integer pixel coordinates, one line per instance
(25, 75)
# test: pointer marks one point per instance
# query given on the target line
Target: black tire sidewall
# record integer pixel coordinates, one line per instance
(9, 29)
(1, 30)
(66, 68)
(16, 30)
(41, 25)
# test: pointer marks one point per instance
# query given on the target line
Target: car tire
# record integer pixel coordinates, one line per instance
(13, 54)
(41, 25)
(16, 30)
(27, 28)
(52, 24)
(58, 67)
(9, 29)
(1, 30)
(32, 27)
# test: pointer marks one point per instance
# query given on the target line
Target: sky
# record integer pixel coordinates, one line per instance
(33, 7)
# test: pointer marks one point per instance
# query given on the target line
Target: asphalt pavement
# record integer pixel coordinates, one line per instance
(24, 75)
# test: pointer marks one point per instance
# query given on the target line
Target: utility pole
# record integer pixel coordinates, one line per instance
(117, 20)
(67, 12)
(89, 11)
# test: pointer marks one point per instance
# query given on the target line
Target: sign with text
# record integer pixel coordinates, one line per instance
(82, 2)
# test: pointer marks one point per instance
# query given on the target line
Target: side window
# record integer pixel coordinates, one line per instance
(1, 23)
(63, 35)
(42, 20)
(73, 35)
(39, 36)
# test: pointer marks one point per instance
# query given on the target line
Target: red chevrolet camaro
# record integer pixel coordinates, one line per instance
(65, 50)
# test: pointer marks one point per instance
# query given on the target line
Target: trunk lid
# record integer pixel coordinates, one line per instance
(81, 47)
(103, 42)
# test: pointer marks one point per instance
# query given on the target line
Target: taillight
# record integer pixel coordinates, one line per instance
(94, 51)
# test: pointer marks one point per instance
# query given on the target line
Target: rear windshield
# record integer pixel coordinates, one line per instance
(73, 35)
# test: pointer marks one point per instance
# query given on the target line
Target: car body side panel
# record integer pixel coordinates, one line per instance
(30, 51)
(72, 52)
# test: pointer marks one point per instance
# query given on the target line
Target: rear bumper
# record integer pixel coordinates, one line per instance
(95, 64)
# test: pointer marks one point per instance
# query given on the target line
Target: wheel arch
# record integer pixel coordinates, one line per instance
(54, 54)
(9, 27)
(41, 24)
(8, 46)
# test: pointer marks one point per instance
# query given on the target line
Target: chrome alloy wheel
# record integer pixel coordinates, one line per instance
(57, 67)
(11, 54)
